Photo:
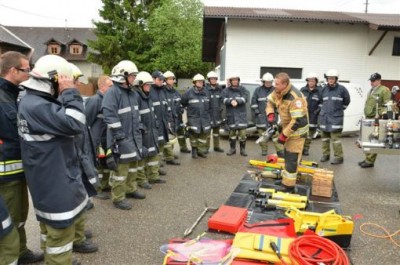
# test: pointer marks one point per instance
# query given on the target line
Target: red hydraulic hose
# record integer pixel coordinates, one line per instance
(328, 252)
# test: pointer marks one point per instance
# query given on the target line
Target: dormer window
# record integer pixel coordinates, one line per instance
(75, 49)
(54, 49)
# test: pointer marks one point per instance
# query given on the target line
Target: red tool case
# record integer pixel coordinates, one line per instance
(227, 219)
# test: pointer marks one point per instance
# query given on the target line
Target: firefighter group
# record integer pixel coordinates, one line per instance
(67, 150)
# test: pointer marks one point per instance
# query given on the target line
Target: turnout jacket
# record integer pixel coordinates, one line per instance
(160, 104)
(149, 132)
(333, 101)
(10, 151)
(47, 128)
(313, 104)
(95, 120)
(87, 158)
(6, 224)
(174, 106)
(259, 103)
(216, 105)
(121, 114)
(292, 109)
(197, 103)
(236, 116)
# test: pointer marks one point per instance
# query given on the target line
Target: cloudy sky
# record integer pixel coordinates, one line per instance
(80, 13)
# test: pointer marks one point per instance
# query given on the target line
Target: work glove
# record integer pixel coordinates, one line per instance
(282, 138)
(112, 157)
(271, 118)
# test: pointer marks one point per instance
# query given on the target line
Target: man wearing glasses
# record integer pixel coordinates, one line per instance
(14, 69)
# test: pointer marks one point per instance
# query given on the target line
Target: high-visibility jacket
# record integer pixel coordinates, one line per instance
(197, 103)
(333, 101)
(292, 109)
(216, 105)
(259, 103)
(6, 224)
(11, 167)
(236, 117)
(160, 104)
(51, 162)
(313, 104)
(121, 114)
(148, 119)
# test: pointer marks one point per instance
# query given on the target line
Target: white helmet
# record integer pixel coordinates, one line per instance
(48, 68)
(198, 77)
(212, 74)
(77, 74)
(395, 89)
(168, 74)
(122, 70)
(267, 77)
(312, 75)
(332, 73)
(233, 76)
(143, 78)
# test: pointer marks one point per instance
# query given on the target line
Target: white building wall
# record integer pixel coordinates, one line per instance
(314, 47)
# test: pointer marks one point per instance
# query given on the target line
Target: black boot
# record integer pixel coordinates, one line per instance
(194, 153)
(232, 151)
(243, 148)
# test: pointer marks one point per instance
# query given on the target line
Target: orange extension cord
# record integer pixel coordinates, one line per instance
(386, 235)
(333, 253)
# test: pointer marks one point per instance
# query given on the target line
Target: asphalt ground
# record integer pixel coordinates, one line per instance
(135, 236)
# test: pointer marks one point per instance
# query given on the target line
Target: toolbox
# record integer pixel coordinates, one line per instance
(227, 219)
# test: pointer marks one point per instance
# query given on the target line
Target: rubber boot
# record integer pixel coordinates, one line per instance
(232, 150)
(243, 148)
(194, 153)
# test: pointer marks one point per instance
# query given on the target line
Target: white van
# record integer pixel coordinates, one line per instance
(352, 115)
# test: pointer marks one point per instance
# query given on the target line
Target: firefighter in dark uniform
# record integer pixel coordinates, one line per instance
(235, 98)
(311, 93)
(216, 107)
(160, 104)
(292, 109)
(98, 128)
(124, 137)
(258, 105)
(197, 102)
(86, 154)
(14, 68)
(380, 95)
(334, 99)
(9, 240)
(174, 104)
(151, 159)
(46, 126)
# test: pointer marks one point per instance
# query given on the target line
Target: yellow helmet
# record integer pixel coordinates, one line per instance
(77, 74)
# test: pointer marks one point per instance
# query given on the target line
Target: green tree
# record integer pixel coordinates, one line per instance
(122, 34)
(176, 31)
(155, 34)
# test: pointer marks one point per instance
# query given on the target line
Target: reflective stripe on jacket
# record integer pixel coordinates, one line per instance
(10, 151)
(258, 105)
(236, 116)
(197, 104)
(333, 101)
(121, 114)
(313, 104)
(50, 159)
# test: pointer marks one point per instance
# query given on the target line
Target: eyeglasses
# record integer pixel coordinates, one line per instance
(27, 70)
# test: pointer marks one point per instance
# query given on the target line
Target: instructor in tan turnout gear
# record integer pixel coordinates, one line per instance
(292, 109)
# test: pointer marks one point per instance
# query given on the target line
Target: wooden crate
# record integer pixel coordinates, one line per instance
(322, 183)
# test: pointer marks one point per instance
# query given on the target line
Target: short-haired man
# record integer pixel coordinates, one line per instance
(380, 95)
(14, 69)
(292, 109)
